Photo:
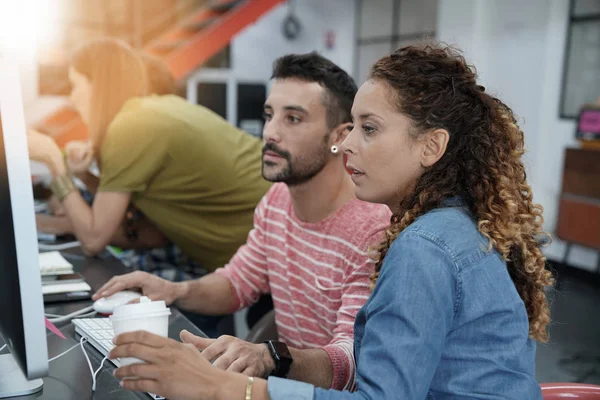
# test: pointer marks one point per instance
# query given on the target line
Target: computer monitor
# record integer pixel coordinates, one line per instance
(21, 305)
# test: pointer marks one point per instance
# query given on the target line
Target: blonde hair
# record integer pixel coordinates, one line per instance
(160, 78)
(116, 74)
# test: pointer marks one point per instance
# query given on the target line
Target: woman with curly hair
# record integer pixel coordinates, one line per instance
(458, 300)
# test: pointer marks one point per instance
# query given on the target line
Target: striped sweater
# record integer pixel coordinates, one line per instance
(318, 274)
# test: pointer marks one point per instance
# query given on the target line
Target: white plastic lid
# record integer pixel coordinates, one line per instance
(144, 309)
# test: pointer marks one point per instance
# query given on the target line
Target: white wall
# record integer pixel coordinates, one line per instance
(35, 107)
(254, 50)
(23, 24)
(380, 23)
(518, 49)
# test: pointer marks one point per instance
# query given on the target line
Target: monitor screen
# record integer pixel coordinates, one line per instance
(11, 322)
(21, 305)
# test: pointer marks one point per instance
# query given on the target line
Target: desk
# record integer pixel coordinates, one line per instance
(69, 377)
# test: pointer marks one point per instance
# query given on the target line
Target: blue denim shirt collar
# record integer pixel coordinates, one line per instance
(454, 201)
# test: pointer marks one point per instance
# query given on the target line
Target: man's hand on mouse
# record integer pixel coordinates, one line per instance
(151, 286)
(234, 355)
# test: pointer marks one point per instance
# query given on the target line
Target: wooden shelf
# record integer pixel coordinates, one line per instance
(579, 208)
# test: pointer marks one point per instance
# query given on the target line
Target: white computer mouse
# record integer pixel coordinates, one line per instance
(107, 305)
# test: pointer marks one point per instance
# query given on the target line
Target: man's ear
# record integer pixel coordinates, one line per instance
(340, 133)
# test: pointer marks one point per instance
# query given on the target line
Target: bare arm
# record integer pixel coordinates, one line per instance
(149, 237)
(90, 181)
(95, 227)
(209, 295)
(53, 225)
(214, 294)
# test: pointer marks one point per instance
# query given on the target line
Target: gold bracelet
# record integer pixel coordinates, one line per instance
(62, 186)
(249, 388)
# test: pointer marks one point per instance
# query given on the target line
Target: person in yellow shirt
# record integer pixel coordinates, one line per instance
(195, 177)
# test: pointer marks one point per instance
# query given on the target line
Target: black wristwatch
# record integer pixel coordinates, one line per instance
(282, 357)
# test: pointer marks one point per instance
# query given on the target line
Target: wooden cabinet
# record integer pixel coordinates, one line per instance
(579, 208)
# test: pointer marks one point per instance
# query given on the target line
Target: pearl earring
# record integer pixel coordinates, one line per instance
(334, 149)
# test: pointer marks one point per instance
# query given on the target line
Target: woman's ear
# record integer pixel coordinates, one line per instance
(436, 144)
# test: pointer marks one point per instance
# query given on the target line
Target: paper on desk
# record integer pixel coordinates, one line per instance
(53, 261)
(66, 288)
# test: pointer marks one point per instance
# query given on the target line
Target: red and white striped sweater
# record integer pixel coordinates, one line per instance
(317, 273)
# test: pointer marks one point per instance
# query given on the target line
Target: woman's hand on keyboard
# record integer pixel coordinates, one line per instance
(151, 286)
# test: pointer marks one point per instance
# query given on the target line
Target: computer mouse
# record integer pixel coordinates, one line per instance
(107, 305)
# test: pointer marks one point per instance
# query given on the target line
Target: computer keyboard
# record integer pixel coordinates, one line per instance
(99, 333)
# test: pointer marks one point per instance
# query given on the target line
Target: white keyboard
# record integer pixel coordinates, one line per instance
(99, 333)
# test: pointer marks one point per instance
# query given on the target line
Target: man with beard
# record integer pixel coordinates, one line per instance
(309, 245)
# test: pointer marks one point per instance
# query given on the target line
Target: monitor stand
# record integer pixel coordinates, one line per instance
(12, 380)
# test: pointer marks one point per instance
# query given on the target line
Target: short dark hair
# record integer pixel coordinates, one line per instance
(313, 67)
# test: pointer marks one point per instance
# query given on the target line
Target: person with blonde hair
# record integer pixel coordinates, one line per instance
(458, 299)
(195, 177)
(152, 248)
(80, 154)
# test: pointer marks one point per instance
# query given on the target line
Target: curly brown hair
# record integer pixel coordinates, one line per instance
(435, 87)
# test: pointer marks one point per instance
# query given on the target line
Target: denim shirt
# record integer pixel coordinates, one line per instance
(445, 321)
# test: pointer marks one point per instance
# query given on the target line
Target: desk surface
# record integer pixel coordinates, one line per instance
(69, 377)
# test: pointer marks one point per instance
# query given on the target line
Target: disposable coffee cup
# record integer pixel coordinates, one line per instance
(147, 315)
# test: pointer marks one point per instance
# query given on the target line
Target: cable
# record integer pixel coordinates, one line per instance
(96, 373)
(91, 314)
(65, 352)
(58, 247)
(89, 363)
(87, 358)
(2, 348)
(68, 317)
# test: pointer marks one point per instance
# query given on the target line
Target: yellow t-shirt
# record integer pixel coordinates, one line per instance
(195, 176)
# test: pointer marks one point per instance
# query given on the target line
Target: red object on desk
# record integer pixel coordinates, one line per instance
(53, 329)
